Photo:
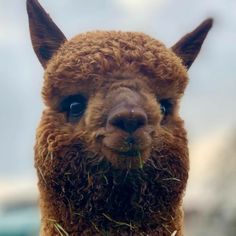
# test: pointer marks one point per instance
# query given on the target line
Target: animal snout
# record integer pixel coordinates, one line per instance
(127, 119)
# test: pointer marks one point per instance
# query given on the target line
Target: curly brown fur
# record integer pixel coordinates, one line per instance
(102, 174)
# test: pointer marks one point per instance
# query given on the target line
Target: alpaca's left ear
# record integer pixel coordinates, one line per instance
(188, 47)
(46, 37)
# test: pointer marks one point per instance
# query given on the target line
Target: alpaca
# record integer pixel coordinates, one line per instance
(111, 149)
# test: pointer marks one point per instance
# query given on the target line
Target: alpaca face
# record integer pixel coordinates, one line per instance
(111, 144)
(131, 107)
(120, 135)
(119, 141)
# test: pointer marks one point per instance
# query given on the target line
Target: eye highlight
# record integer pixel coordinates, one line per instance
(74, 106)
(165, 107)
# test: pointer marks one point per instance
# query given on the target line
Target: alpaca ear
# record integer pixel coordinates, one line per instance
(46, 37)
(188, 47)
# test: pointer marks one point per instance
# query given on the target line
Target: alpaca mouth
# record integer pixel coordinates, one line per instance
(124, 150)
(130, 153)
(129, 159)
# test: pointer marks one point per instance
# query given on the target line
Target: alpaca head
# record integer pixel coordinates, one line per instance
(111, 142)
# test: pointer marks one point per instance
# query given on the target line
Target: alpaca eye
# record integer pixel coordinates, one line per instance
(165, 107)
(74, 106)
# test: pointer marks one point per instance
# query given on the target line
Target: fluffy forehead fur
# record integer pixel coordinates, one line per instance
(102, 58)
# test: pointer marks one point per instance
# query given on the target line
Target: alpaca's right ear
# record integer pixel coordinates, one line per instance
(46, 37)
(188, 47)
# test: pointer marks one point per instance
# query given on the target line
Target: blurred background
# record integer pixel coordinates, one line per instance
(208, 106)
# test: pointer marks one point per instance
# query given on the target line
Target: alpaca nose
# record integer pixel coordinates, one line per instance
(128, 120)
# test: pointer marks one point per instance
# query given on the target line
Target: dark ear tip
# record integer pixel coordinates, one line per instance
(31, 4)
(208, 23)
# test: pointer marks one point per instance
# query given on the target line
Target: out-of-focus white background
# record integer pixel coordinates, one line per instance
(208, 106)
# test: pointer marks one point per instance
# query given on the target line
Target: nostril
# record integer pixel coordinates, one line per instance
(128, 121)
